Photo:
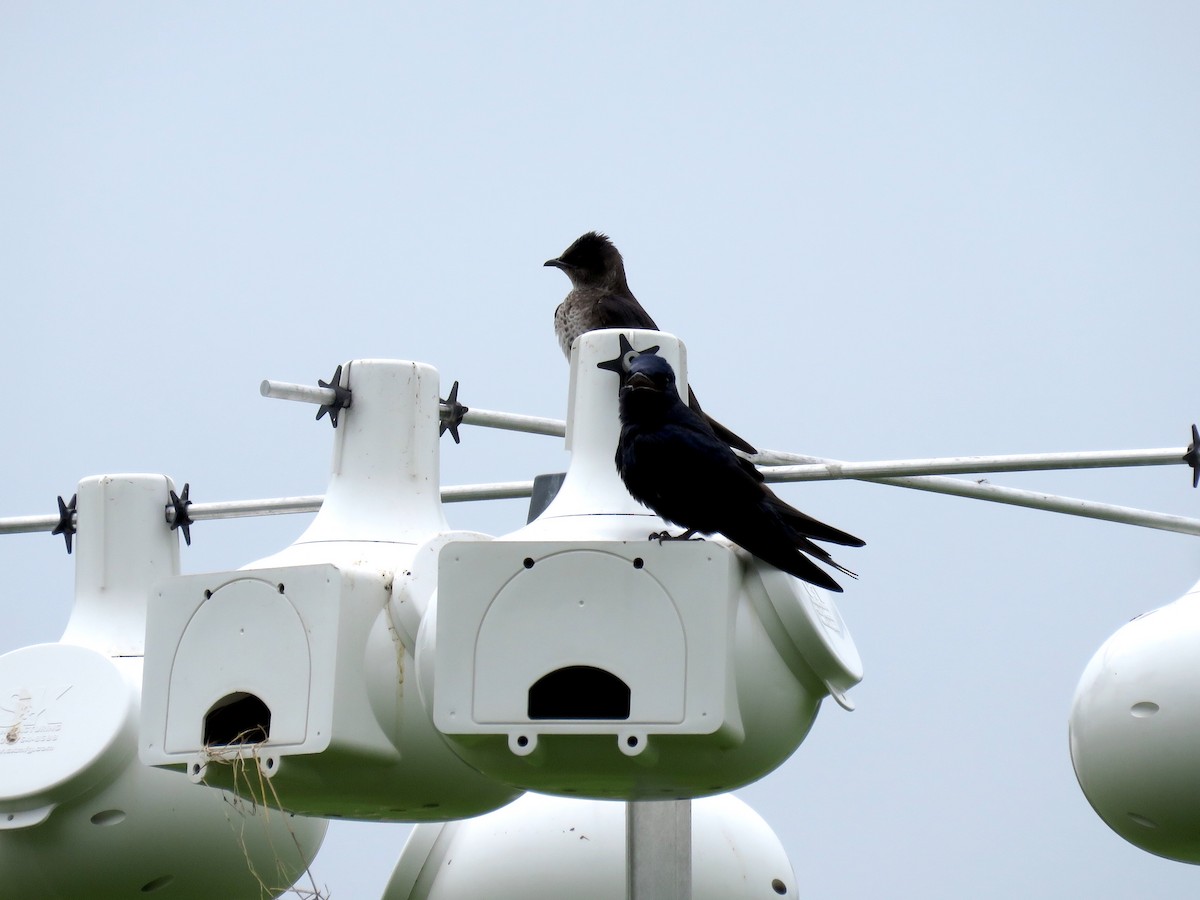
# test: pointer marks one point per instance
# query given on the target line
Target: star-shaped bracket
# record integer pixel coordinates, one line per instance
(450, 414)
(341, 397)
(1192, 457)
(620, 364)
(177, 513)
(66, 520)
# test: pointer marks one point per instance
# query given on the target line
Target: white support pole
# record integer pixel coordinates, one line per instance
(488, 418)
(303, 393)
(504, 490)
(917, 474)
(518, 489)
(818, 469)
(280, 506)
(1088, 509)
(232, 509)
(658, 849)
(777, 465)
(485, 418)
(812, 469)
(27, 524)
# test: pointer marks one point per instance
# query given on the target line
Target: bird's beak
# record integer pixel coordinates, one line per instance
(640, 381)
(557, 263)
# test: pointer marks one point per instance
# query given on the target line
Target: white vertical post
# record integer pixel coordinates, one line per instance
(658, 849)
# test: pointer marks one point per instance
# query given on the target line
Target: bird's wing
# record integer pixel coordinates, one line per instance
(707, 479)
(729, 437)
(705, 459)
(615, 311)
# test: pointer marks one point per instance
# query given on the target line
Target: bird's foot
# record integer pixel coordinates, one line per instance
(661, 536)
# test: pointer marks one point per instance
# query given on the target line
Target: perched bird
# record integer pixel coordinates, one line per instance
(600, 298)
(672, 462)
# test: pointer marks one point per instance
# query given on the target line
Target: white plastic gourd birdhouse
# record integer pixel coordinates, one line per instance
(576, 656)
(301, 662)
(556, 847)
(1135, 730)
(80, 816)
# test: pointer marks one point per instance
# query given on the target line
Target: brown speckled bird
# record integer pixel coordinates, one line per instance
(600, 298)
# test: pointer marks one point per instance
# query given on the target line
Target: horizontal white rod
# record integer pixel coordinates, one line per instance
(27, 524)
(960, 465)
(1126, 515)
(232, 509)
(782, 467)
(505, 490)
(280, 506)
(283, 390)
(941, 484)
(487, 418)
(519, 489)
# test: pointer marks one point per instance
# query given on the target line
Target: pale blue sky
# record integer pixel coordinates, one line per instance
(884, 230)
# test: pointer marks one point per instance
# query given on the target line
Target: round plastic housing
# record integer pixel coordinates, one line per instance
(302, 663)
(1135, 731)
(80, 816)
(554, 847)
(577, 656)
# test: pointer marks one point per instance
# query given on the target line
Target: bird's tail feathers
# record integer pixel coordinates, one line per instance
(806, 570)
(807, 546)
(790, 557)
(842, 569)
(806, 526)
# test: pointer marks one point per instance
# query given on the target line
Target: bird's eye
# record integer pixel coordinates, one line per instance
(627, 360)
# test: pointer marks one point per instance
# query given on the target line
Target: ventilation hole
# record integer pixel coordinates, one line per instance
(109, 817)
(207, 594)
(778, 886)
(631, 741)
(522, 741)
(579, 692)
(528, 562)
(281, 587)
(157, 884)
(638, 563)
(1142, 820)
(238, 718)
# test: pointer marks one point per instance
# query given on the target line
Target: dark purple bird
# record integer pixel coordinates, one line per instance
(672, 462)
(600, 298)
